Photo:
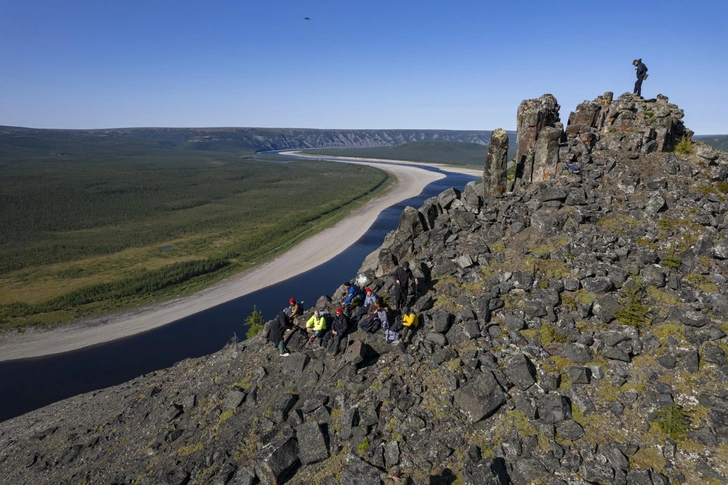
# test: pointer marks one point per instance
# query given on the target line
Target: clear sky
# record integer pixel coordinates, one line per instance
(462, 65)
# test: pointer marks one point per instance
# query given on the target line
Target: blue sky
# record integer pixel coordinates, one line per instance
(355, 64)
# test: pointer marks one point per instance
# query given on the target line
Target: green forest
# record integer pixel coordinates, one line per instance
(716, 141)
(91, 226)
(449, 153)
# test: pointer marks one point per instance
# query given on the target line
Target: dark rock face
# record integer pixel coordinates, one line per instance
(562, 324)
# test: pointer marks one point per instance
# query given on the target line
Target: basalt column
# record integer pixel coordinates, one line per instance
(496, 164)
(534, 117)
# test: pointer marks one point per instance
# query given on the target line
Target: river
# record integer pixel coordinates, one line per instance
(29, 384)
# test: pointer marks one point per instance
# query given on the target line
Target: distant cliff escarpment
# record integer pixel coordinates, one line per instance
(572, 330)
(237, 139)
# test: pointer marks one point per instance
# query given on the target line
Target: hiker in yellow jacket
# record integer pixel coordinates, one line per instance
(409, 321)
(316, 326)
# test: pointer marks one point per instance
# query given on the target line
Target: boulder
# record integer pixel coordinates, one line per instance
(521, 371)
(547, 222)
(553, 408)
(355, 353)
(277, 460)
(294, 365)
(437, 339)
(411, 222)
(311, 443)
(233, 399)
(605, 308)
(570, 430)
(578, 353)
(578, 375)
(358, 472)
(480, 397)
(446, 198)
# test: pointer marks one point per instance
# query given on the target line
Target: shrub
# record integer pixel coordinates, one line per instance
(673, 421)
(511, 172)
(254, 322)
(633, 313)
(363, 447)
(684, 147)
(672, 262)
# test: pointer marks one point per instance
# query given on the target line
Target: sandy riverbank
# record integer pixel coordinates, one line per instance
(308, 254)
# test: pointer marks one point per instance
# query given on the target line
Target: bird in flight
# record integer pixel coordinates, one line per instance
(306, 18)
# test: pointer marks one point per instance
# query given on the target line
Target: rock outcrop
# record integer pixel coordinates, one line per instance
(628, 124)
(496, 164)
(572, 331)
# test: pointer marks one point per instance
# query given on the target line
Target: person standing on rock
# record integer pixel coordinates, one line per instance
(641, 76)
(276, 332)
(338, 330)
(402, 276)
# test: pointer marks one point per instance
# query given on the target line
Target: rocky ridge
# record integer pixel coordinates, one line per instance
(573, 331)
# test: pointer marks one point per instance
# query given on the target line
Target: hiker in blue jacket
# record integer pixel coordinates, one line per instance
(641, 76)
(352, 291)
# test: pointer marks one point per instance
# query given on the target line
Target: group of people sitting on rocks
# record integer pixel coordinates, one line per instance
(363, 308)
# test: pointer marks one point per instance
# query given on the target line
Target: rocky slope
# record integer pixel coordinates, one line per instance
(573, 331)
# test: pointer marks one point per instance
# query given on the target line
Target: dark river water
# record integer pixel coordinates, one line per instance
(29, 384)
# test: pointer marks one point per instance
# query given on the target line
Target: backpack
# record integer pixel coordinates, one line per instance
(382, 314)
(370, 324)
(391, 335)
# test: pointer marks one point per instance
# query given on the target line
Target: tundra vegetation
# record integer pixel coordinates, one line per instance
(91, 225)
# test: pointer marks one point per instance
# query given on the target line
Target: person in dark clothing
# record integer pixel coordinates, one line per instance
(275, 334)
(338, 329)
(370, 322)
(641, 75)
(402, 276)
